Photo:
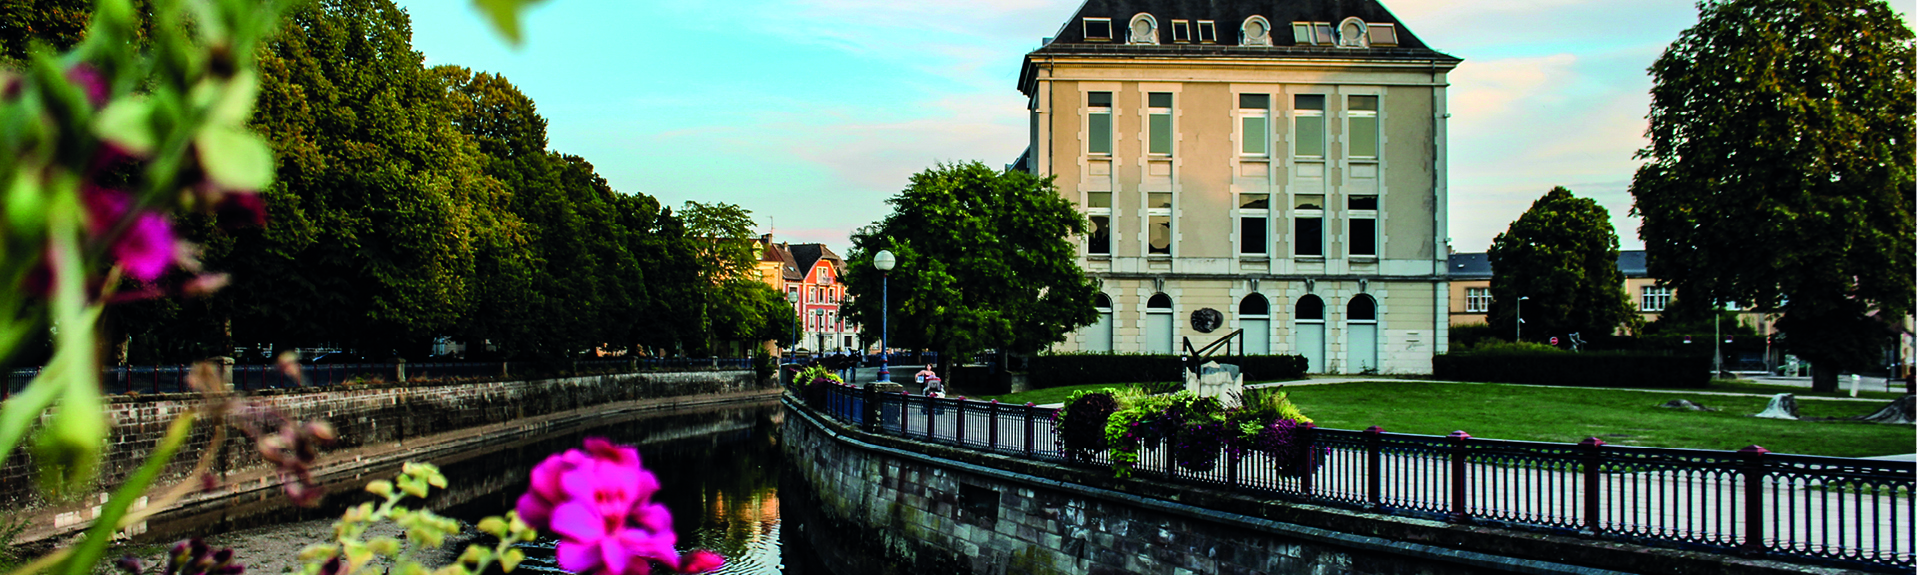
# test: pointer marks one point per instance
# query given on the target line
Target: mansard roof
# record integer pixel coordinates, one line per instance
(1228, 15)
(806, 255)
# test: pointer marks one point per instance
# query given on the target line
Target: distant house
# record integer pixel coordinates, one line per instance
(1471, 278)
(810, 274)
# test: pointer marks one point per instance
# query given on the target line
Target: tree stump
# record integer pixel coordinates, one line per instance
(1897, 411)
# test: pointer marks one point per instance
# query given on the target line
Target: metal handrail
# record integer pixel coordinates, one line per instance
(155, 379)
(1832, 510)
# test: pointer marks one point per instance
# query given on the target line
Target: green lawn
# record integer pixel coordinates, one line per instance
(1619, 417)
(1569, 414)
(1048, 395)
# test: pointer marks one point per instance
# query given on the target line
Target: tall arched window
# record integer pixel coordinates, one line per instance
(1363, 336)
(1256, 324)
(1310, 332)
(1100, 334)
(1159, 325)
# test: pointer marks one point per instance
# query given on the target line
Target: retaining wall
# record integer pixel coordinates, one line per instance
(928, 508)
(372, 423)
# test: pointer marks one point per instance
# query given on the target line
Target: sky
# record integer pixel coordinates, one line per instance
(812, 113)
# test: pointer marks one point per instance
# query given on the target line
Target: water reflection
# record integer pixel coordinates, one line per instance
(719, 472)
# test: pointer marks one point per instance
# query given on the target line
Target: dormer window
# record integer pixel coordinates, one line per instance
(1207, 33)
(1097, 29)
(1312, 34)
(1353, 33)
(1182, 32)
(1382, 35)
(1143, 30)
(1255, 31)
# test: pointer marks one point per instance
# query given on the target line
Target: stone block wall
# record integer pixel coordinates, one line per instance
(362, 416)
(944, 519)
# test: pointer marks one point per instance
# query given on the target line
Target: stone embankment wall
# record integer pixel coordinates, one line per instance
(926, 508)
(382, 422)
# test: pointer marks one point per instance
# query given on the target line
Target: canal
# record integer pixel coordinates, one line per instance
(720, 471)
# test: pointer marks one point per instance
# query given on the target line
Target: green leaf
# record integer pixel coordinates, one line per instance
(234, 103)
(128, 123)
(505, 16)
(234, 159)
(511, 559)
(494, 526)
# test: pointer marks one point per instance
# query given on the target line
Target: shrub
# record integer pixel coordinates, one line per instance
(1082, 425)
(1505, 364)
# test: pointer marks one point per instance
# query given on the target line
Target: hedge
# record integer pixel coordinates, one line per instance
(1061, 369)
(1584, 369)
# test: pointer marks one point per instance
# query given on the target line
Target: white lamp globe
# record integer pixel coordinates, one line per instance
(883, 261)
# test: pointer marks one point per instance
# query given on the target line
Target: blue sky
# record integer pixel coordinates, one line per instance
(812, 114)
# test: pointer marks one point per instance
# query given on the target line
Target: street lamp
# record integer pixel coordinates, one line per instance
(793, 297)
(1516, 318)
(883, 261)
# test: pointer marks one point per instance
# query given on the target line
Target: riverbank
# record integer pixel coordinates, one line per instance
(251, 487)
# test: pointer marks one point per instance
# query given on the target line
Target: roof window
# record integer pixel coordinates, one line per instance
(1312, 34)
(1255, 31)
(1143, 30)
(1182, 32)
(1382, 35)
(1097, 29)
(1207, 33)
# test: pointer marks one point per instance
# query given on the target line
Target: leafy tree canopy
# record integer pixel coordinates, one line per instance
(1562, 255)
(985, 260)
(1780, 172)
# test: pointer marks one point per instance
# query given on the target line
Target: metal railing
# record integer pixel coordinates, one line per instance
(1833, 510)
(173, 378)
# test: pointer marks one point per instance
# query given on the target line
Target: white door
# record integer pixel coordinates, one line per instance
(1363, 347)
(1160, 333)
(1257, 334)
(1100, 334)
(1313, 345)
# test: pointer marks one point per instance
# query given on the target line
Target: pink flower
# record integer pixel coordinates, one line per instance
(146, 248)
(600, 503)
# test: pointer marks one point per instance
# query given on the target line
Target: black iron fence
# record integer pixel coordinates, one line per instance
(1834, 510)
(173, 378)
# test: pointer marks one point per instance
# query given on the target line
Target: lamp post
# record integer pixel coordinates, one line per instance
(1516, 318)
(793, 297)
(883, 261)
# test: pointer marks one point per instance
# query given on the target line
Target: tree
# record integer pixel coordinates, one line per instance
(721, 236)
(1562, 255)
(1780, 171)
(985, 260)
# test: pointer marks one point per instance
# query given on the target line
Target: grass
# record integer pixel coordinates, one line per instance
(1570, 414)
(1749, 386)
(1049, 395)
(1567, 415)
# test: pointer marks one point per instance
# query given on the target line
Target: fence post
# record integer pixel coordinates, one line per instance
(1457, 509)
(903, 412)
(400, 370)
(1029, 423)
(156, 379)
(960, 421)
(1373, 468)
(871, 400)
(1752, 472)
(993, 426)
(1589, 449)
(1312, 458)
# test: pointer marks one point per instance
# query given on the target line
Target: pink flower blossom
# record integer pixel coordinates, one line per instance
(146, 248)
(599, 500)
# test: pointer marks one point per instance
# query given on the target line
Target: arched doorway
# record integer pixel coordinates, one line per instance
(1257, 324)
(1100, 334)
(1363, 336)
(1159, 330)
(1310, 332)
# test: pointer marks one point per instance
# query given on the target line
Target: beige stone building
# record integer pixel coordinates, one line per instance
(1282, 163)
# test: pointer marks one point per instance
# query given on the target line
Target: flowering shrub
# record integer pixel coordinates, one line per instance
(1196, 429)
(814, 381)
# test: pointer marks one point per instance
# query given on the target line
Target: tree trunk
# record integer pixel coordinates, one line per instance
(1825, 377)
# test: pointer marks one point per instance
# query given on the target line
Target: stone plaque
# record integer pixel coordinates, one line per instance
(1207, 319)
